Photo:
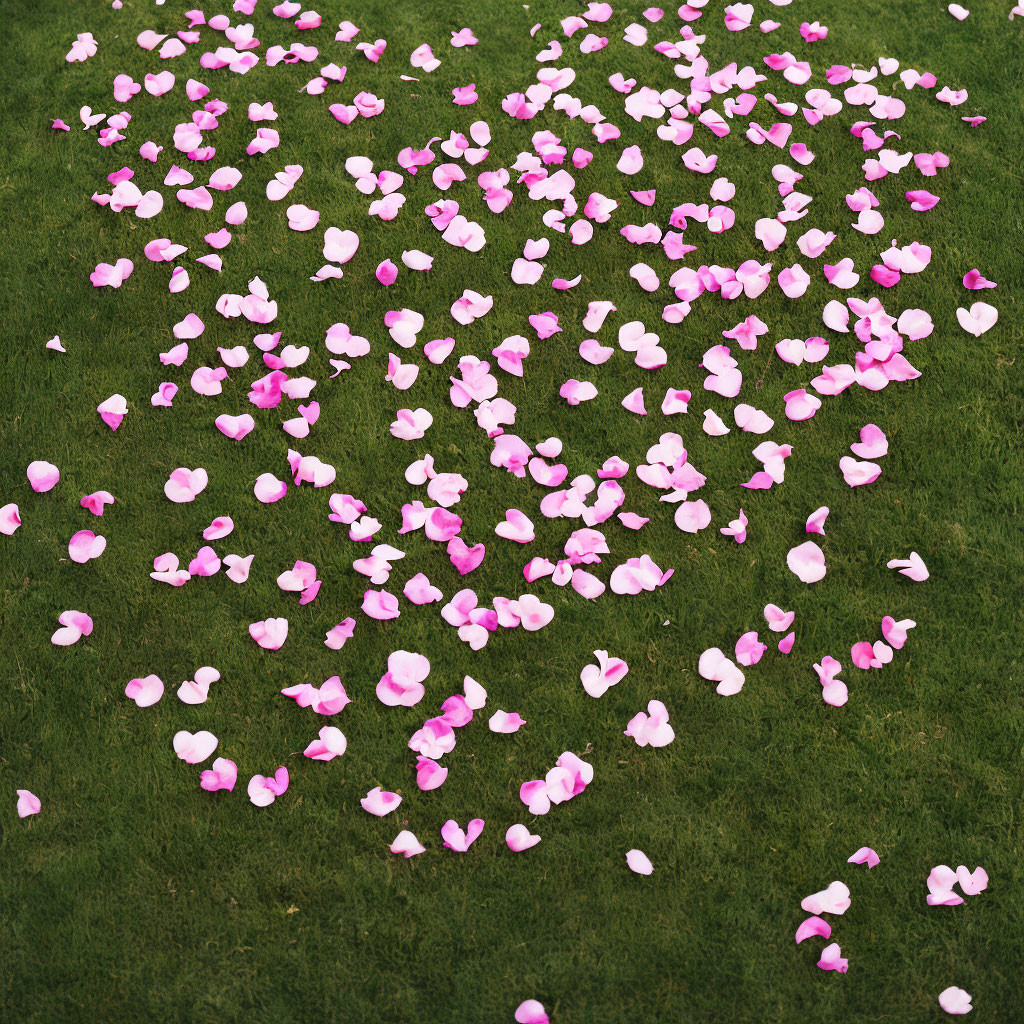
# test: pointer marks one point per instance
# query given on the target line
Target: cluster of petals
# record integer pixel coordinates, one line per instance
(482, 379)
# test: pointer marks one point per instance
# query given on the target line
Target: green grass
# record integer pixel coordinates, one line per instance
(135, 896)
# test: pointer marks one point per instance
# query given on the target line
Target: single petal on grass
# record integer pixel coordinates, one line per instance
(145, 691)
(516, 527)
(380, 802)
(639, 863)
(96, 501)
(533, 614)
(189, 328)
(42, 476)
(645, 276)
(429, 774)
(574, 391)
(340, 246)
(463, 557)
(816, 521)
(519, 838)
(194, 747)
(10, 519)
(29, 803)
(833, 900)
(980, 318)
(505, 722)
(219, 528)
(940, 881)
(269, 489)
(865, 855)
(634, 402)
(974, 281)
(693, 516)
(857, 474)
(800, 405)
(873, 443)
(832, 959)
(270, 633)
(475, 694)
(953, 1000)
(535, 795)
(407, 845)
(238, 567)
(713, 425)
(530, 1011)
(912, 567)
(972, 882)
(807, 562)
(411, 425)
(836, 316)
(813, 926)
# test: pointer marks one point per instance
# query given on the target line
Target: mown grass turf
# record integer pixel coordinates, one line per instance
(134, 896)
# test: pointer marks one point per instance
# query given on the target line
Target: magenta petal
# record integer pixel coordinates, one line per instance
(865, 855)
(832, 959)
(813, 926)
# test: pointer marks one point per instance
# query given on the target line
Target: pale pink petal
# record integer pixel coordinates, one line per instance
(953, 1000)
(639, 862)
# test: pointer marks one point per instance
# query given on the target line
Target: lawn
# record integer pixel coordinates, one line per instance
(136, 896)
